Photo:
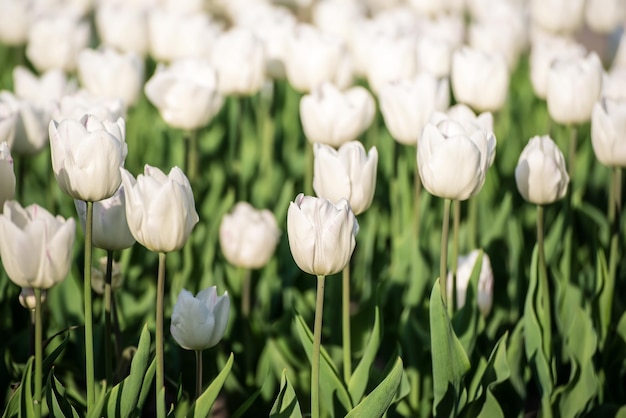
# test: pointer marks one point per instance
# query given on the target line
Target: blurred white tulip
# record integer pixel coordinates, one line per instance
(337, 17)
(123, 27)
(391, 59)
(574, 86)
(614, 84)
(98, 276)
(608, 132)
(540, 174)
(7, 174)
(27, 297)
(333, 117)
(502, 36)
(82, 103)
(465, 266)
(44, 90)
(434, 56)
(15, 21)
(605, 16)
(30, 131)
(8, 119)
(558, 16)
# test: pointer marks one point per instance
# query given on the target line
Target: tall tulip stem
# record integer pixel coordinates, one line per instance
(245, 292)
(571, 163)
(38, 352)
(443, 259)
(472, 221)
(191, 155)
(317, 341)
(89, 363)
(108, 358)
(456, 224)
(615, 210)
(417, 193)
(160, 379)
(543, 278)
(345, 329)
(198, 373)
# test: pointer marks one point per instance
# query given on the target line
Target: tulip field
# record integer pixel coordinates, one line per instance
(312, 208)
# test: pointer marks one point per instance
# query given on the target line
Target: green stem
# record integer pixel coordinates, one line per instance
(317, 341)
(543, 282)
(472, 222)
(108, 358)
(266, 131)
(308, 170)
(159, 330)
(345, 311)
(417, 193)
(245, 293)
(191, 157)
(456, 224)
(443, 259)
(615, 210)
(572, 154)
(38, 352)
(198, 373)
(89, 362)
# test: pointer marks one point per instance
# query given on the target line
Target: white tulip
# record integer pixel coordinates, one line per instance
(321, 234)
(390, 59)
(8, 118)
(479, 79)
(123, 27)
(7, 174)
(35, 246)
(15, 20)
(81, 103)
(27, 298)
(605, 16)
(199, 322)
(614, 84)
(574, 86)
(333, 117)
(160, 209)
(408, 104)
(540, 174)
(44, 90)
(433, 56)
(465, 266)
(248, 236)
(558, 16)
(30, 124)
(500, 36)
(348, 173)
(98, 276)
(608, 132)
(338, 17)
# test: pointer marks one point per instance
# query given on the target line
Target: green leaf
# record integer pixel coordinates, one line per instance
(202, 406)
(248, 403)
(27, 409)
(450, 362)
(101, 397)
(332, 385)
(360, 377)
(603, 300)
(286, 404)
(58, 405)
(376, 403)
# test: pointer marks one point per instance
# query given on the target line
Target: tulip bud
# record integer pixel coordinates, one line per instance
(465, 267)
(87, 156)
(558, 16)
(44, 90)
(391, 58)
(248, 237)
(479, 79)
(160, 209)
(332, 117)
(15, 20)
(407, 105)
(81, 103)
(433, 56)
(36, 247)
(321, 234)
(614, 84)
(110, 228)
(540, 174)
(608, 132)
(98, 276)
(27, 298)
(453, 158)
(348, 173)
(199, 322)
(186, 93)
(123, 27)
(574, 86)
(604, 16)
(30, 122)
(7, 174)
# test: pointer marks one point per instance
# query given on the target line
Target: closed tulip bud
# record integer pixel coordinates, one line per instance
(480, 79)
(110, 228)
(408, 104)
(87, 155)
(54, 41)
(186, 93)
(433, 56)
(546, 50)
(123, 27)
(333, 117)
(110, 74)
(465, 267)
(348, 173)
(605, 16)
(574, 86)
(239, 59)
(199, 322)
(540, 174)
(614, 84)
(82, 103)
(98, 276)
(558, 16)
(30, 133)
(391, 58)
(15, 20)
(337, 17)
(453, 158)
(321, 234)
(7, 174)
(36, 247)
(314, 57)
(160, 209)
(44, 90)
(608, 132)
(27, 298)
(503, 36)
(248, 236)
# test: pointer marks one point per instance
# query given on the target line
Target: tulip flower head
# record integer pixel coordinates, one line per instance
(248, 236)
(608, 132)
(465, 266)
(540, 174)
(453, 158)
(87, 156)
(199, 322)
(35, 246)
(160, 209)
(27, 298)
(321, 234)
(348, 173)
